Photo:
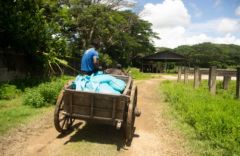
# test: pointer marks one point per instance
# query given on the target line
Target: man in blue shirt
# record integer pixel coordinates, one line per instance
(89, 63)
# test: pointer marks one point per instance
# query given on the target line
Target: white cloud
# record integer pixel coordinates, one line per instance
(237, 11)
(172, 22)
(221, 26)
(170, 13)
(227, 25)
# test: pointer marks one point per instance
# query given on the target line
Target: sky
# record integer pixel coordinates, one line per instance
(189, 22)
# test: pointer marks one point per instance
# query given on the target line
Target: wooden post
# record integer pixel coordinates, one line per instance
(200, 77)
(212, 80)
(179, 73)
(186, 71)
(238, 84)
(165, 67)
(196, 77)
(226, 80)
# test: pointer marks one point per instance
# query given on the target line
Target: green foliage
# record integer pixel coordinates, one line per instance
(122, 34)
(12, 113)
(136, 74)
(33, 98)
(215, 119)
(208, 54)
(44, 94)
(8, 91)
(47, 30)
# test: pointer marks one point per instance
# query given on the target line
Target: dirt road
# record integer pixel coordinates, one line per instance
(153, 136)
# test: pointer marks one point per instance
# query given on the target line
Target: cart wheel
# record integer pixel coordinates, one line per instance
(131, 116)
(62, 122)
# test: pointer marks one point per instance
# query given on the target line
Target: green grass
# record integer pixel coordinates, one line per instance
(15, 111)
(213, 122)
(137, 75)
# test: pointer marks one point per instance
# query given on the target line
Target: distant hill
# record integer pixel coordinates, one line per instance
(207, 54)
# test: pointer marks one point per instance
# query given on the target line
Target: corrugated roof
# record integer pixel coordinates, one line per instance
(164, 56)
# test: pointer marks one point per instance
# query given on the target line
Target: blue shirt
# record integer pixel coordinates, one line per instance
(87, 64)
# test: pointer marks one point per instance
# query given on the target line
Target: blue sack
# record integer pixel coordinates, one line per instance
(106, 88)
(117, 84)
(99, 82)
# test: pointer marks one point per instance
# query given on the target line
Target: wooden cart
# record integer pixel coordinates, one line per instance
(116, 110)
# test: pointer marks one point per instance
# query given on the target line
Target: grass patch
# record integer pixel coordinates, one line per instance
(8, 91)
(213, 121)
(21, 108)
(137, 75)
(13, 113)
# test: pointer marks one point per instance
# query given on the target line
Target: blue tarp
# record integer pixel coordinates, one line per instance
(100, 83)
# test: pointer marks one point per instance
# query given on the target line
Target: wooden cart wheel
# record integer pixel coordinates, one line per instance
(62, 122)
(131, 116)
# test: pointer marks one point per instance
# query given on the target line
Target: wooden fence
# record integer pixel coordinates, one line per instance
(212, 73)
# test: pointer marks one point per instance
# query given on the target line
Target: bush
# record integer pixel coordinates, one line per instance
(8, 91)
(33, 98)
(50, 91)
(44, 94)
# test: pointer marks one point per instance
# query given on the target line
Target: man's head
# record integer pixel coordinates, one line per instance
(119, 66)
(96, 43)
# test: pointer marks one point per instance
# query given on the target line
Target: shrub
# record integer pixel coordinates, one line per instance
(8, 91)
(44, 94)
(50, 91)
(33, 98)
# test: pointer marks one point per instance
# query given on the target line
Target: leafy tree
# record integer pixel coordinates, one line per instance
(208, 54)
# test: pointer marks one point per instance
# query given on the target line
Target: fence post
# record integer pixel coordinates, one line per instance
(212, 80)
(238, 84)
(200, 77)
(179, 73)
(186, 71)
(226, 80)
(196, 77)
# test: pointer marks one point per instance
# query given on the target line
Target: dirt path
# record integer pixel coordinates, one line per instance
(153, 135)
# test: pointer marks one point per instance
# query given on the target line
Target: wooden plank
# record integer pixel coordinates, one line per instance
(70, 103)
(92, 105)
(82, 99)
(114, 108)
(101, 119)
(224, 72)
(128, 86)
(220, 72)
(66, 101)
(82, 110)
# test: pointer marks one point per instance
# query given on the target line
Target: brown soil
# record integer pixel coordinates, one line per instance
(153, 136)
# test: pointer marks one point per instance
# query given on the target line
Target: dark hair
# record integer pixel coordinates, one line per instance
(96, 43)
(119, 66)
